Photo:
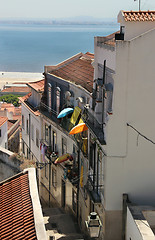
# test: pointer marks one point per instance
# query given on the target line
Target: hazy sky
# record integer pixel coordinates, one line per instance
(69, 8)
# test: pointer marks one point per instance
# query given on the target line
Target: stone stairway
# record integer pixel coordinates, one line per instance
(60, 225)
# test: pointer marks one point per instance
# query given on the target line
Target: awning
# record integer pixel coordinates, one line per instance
(63, 158)
(65, 112)
(81, 127)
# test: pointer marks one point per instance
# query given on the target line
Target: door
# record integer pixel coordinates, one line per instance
(63, 193)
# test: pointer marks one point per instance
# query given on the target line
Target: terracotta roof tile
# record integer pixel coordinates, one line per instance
(11, 108)
(38, 85)
(16, 89)
(139, 16)
(80, 71)
(3, 120)
(16, 211)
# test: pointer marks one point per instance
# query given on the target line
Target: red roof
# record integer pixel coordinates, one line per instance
(3, 120)
(16, 211)
(110, 39)
(11, 108)
(79, 71)
(38, 85)
(16, 89)
(139, 16)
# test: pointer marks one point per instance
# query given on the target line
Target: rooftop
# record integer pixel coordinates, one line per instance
(37, 85)
(3, 120)
(16, 111)
(16, 89)
(139, 16)
(17, 208)
(17, 220)
(78, 70)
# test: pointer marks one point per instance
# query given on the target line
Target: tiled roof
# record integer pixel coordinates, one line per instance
(79, 71)
(16, 89)
(11, 108)
(3, 120)
(139, 16)
(38, 85)
(110, 39)
(16, 210)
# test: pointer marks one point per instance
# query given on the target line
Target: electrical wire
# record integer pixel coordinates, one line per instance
(140, 134)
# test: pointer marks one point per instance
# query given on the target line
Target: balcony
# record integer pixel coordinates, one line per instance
(48, 112)
(93, 190)
(93, 125)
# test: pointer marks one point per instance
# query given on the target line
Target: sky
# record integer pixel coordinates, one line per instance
(54, 9)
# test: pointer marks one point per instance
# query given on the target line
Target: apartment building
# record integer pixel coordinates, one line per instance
(124, 78)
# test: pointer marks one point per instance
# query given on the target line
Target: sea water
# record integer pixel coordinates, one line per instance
(29, 47)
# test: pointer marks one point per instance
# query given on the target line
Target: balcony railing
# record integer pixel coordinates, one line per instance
(48, 112)
(94, 125)
(94, 190)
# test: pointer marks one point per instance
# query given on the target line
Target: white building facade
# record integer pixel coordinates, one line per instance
(127, 61)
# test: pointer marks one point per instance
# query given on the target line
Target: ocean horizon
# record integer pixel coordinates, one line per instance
(29, 47)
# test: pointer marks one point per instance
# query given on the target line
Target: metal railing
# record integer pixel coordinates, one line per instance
(94, 125)
(94, 190)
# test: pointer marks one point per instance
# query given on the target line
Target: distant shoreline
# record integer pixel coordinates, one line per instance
(58, 22)
(20, 77)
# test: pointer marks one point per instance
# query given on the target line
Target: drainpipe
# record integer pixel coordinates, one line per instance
(94, 167)
(29, 135)
(103, 96)
(49, 201)
(49, 166)
(77, 210)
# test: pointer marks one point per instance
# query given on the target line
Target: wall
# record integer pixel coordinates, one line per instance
(35, 120)
(4, 138)
(9, 165)
(130, 158)
(35, 98)
(101, 54)
(132, 231)
(133, 29)
(13, 137)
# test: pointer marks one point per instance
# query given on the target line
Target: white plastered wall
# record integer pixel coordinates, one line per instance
(130, 165)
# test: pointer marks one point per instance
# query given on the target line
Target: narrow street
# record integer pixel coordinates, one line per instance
(60, 225)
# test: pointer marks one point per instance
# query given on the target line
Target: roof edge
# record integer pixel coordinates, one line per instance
(63, 63)
(37, 211)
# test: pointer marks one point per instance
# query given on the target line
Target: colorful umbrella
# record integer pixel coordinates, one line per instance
(63, 158)
(78, 128)
(65, 112)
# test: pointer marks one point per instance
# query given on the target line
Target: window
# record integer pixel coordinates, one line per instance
(54, 141)
(58, 90)
(23, 123)
(46, 133)
(37, 137)
(74, 200)
(64, 145)
(54, 180)
(32, 132)
(27, 126)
